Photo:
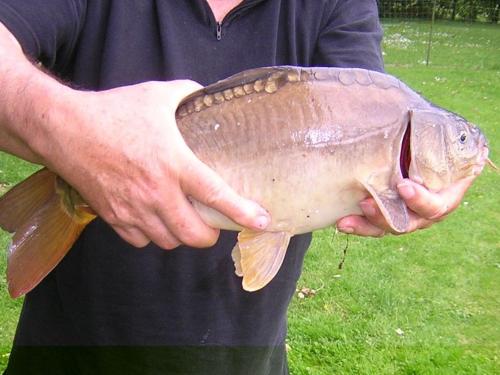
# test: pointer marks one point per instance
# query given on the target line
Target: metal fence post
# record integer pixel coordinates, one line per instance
(429, 44)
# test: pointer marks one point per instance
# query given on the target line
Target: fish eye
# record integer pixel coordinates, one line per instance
(463, 137)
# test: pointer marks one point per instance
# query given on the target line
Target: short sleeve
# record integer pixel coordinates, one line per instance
(350, 36)
(46, 29)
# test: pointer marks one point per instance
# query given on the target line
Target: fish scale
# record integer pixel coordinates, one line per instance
(286, 134)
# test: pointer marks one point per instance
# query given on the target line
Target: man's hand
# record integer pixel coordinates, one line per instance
(426, 208)
(122, 150)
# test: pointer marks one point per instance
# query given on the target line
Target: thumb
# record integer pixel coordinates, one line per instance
(203, 184)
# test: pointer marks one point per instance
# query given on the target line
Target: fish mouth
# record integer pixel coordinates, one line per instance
(483, 159)
(405, 153)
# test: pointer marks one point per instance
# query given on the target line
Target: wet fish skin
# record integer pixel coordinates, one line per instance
(306, 143)
(309, 143)
(317, 123)
(278, 144)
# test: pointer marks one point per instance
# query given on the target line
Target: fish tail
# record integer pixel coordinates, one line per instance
(46, 221)
(26, 198)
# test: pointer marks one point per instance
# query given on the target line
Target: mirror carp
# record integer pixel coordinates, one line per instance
(307, 144)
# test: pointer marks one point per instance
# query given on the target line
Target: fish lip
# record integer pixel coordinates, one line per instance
(482, 158)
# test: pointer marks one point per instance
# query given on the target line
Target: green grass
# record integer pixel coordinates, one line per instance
(12, 170)
(425, 303)
(439, 286)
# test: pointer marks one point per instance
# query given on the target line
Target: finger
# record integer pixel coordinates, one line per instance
(418, 222)
(360, 226)
(372, 213)
(132, 235)
(157, 231)
(430, 205)
(185, 223)
(207, 187)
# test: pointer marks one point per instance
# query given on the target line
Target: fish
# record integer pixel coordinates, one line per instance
(307, 144)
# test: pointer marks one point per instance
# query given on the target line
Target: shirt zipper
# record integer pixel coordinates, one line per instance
(239, 8)
(219, 30)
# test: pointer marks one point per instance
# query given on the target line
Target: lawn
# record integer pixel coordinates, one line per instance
(429, 302)
(425, 303)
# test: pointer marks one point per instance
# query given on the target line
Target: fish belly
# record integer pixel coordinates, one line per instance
(301, 192)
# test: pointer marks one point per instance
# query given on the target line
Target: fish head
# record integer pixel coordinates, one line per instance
(444, 148)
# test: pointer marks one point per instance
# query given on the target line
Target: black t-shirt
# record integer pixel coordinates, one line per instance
(109, 308)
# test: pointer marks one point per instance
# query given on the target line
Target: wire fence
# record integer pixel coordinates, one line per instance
(432, 11)
(451, 10)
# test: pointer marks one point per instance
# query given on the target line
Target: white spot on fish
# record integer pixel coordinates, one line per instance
(282, 224)
(321, 137)
(216, 126)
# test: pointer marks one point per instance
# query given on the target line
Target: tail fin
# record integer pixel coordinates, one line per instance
(45, 228)
(24, 199)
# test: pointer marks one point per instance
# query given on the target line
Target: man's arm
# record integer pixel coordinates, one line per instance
(120, 149)
(16, 75)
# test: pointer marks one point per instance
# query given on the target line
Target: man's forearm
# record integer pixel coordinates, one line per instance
(30, 103)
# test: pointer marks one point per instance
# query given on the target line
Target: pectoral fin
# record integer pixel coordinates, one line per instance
(258, 257)
(389, 202)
